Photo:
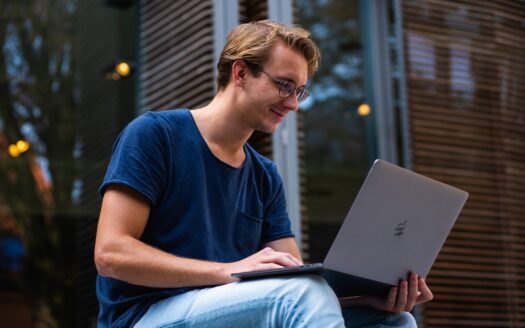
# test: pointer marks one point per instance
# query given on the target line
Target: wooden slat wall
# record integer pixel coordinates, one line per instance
(301, 143)
(252, 10)
(176, 44)
(465, 72)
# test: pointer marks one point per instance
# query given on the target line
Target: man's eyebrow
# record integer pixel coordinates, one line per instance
(285, 79)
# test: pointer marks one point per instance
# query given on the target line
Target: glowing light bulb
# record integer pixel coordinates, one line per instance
(363, 110)
(13, 151)
(123, 69)
(22, 146)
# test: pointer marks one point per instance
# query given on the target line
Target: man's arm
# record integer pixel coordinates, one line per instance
(120, 254)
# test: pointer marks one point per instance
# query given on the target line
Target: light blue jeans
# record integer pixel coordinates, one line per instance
(304, 301)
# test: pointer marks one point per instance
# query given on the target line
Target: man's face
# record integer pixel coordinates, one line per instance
(267, 108)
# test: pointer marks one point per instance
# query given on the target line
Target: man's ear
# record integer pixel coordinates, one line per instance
(239, 72)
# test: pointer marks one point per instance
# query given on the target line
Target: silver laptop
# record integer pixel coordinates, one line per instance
(396, 225)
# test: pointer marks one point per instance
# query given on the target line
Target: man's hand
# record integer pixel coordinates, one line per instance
(404, 297)
(265, 259)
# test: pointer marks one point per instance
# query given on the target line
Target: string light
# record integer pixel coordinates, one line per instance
(22, 146)
(363, 110)
(123, 69)
(119, 70)
(13, 151)
(18, 148)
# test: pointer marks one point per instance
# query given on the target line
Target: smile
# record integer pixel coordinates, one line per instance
(279, 114)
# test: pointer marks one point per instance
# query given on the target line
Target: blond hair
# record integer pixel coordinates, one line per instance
(254, 41)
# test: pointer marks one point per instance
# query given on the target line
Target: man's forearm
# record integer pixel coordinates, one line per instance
(135, 262)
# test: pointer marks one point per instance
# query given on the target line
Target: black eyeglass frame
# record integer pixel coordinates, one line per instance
(286, 88)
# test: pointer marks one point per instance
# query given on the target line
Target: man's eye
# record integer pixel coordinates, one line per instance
(287, 86)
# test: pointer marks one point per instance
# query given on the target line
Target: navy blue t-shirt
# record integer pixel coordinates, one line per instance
(201, 207)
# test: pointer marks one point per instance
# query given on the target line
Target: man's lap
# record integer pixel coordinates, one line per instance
(276, 302)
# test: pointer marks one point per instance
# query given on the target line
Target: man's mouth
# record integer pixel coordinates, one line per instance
(279, 114)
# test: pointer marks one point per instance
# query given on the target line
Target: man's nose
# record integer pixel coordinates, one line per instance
(291, 102)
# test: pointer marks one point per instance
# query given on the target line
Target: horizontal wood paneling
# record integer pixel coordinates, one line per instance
(176, 44)
(465, 72)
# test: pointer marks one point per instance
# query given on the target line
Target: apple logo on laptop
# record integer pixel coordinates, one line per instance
(400, 228)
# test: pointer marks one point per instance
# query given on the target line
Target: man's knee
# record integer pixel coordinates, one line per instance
(310, 302)
(309, 286)
(310, 293)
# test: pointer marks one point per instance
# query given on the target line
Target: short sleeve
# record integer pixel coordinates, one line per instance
(138, 160)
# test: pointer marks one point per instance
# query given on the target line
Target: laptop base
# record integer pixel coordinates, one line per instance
(314, 268)
(345, 285)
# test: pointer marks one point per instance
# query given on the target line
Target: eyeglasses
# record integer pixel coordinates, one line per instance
(286, 88)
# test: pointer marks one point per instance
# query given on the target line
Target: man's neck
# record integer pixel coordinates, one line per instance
(222, 129)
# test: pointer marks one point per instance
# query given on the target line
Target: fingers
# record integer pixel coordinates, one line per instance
(265, 259)
(267, 266)
(404, 297)
(401, 299)
(413, 283)
(268, 255)
(408, 294)
(425, 293)
(390, 303)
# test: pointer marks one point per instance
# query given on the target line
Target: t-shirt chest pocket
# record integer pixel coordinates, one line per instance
(250, 225)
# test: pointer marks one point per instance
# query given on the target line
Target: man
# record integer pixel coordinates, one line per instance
(186, 202)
